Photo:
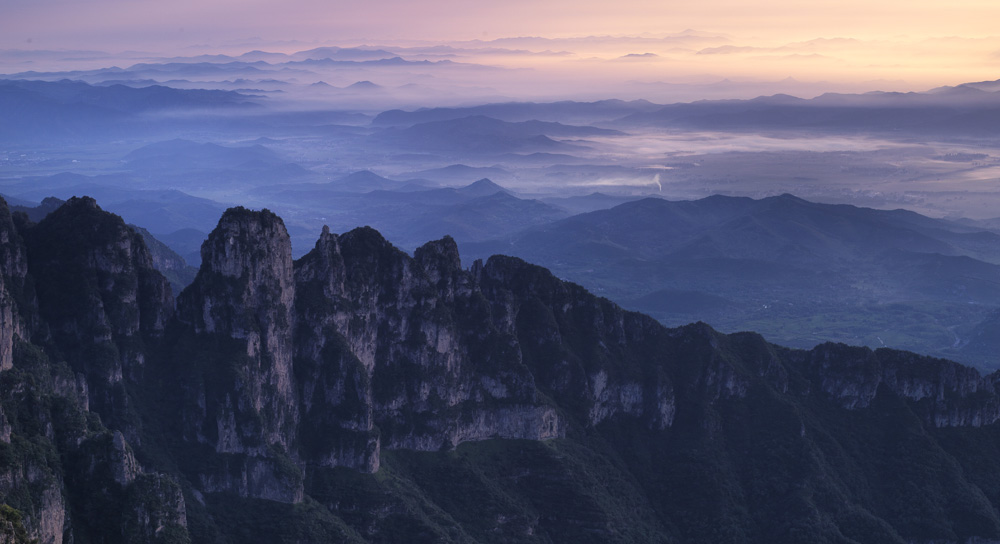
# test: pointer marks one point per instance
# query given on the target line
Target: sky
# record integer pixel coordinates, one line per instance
(77, 24)
(913, 44)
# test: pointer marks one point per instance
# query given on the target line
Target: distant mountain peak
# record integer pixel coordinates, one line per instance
(483, 187)
(362, 85)
(787, 198)
(363, 175)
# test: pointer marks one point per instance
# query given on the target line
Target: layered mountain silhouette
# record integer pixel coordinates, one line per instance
(409, 212)
(954, 111)
(563, 112)
(73, 110)
(360, 394)
(479, 135)
(796, 269)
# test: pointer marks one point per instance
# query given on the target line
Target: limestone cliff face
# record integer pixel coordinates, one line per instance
(46, 514)
(98, 295)
(947, 393)
(581, 350)
(335, 385)
(405, 344)
(101, 307)
(87, 259)
(13, 270)
(242, 302)
(432, 355)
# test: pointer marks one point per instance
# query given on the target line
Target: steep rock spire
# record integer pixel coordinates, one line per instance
(13, 270)
(242, 301)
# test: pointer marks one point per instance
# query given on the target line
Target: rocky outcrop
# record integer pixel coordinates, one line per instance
(87, 259)
(581, 350)
(384, 341)
(118, 500)
(947, 393)
(13, 271)
(245, 405)
(99, 297)
(154, 511)
(45, 511)
(335, 385)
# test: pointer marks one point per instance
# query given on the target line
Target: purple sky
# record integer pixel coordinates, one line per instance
(924, 43)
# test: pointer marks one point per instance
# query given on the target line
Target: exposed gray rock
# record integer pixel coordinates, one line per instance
(949, 394)
(124, 467)
(244, 297)
(154, 510)
(13, 270)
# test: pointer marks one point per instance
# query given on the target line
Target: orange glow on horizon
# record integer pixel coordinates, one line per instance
(915, 44)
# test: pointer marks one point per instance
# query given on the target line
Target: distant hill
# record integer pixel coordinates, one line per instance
(159, 211)
(563, 112)
(472, 213)
(798, 271)
(125, 99)
(483, 187)
(173, 267)
(777, 228)
(74, 110)
(481, 135)
(963, 109)
(407, 213)
(461, 173)
(363, 86)
(186, 154)
(343, 53)
(190, 165)
(37, 213)
(363, 181)
(480, 218)
(187, 243)
(588, 203)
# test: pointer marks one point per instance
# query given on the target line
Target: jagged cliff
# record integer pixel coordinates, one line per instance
(242, 401)
(414, 351)
(86, 306)
(361, 394)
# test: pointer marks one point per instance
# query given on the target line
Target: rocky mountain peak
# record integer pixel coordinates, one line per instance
(249, 243)
(106, 257)
(99, 297)
(440, 261)
(245, 404)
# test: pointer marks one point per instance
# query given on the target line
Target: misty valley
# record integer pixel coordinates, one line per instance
(360, 295)
(544, 181)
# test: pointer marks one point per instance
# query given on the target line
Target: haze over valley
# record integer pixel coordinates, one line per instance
(531, 272)
(171, 142)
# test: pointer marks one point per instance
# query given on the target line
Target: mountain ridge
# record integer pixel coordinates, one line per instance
(327, 398)
(795, 270)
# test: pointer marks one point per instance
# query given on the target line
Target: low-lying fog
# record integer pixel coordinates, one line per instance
(169, 145)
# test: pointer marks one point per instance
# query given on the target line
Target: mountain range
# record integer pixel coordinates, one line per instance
(478, 135)
(791, 269)
(413, 211)
(956, 111)
(360, 394)
(74, 111)
(796, 271)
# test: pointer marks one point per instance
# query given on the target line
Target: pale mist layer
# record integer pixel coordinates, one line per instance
(505, 145)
